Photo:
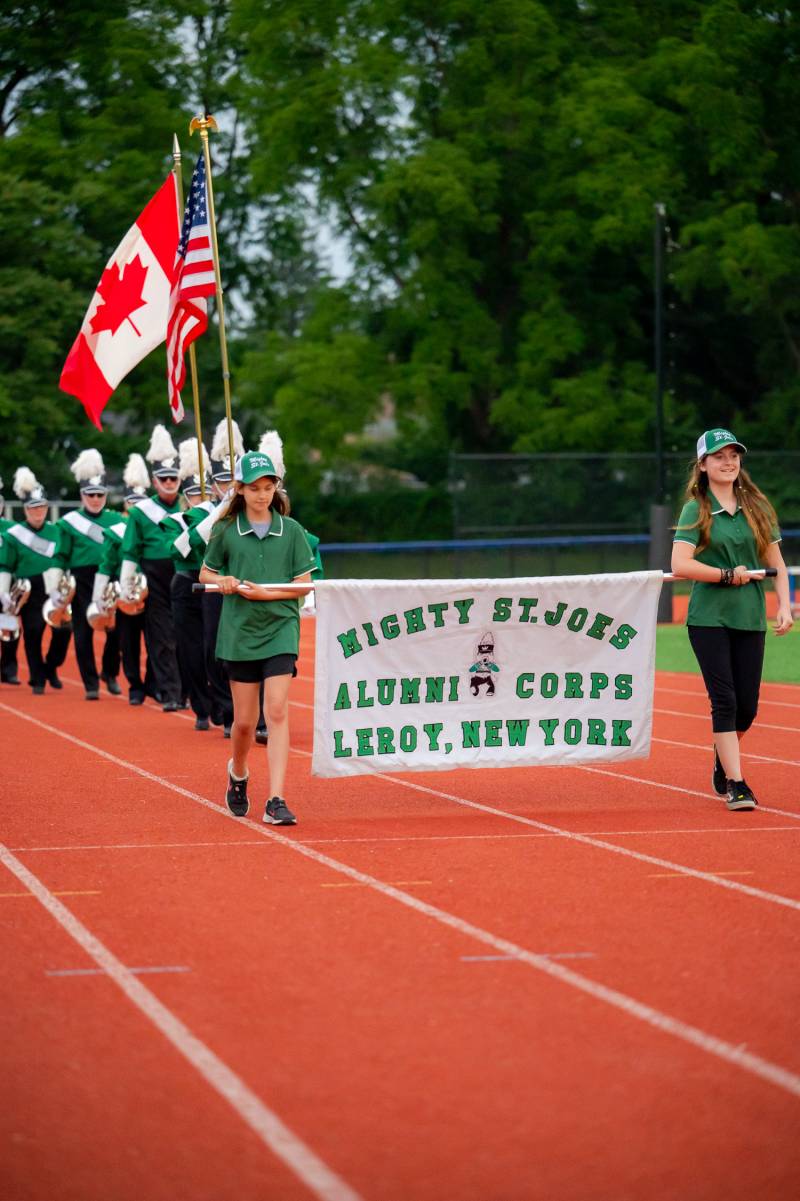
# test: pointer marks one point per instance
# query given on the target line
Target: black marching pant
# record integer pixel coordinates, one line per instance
(8, 659)
(131, 633)
(219, 688)
(160, 630)
(187, 614)
(84, 634)
(731, 663)
(33, 628)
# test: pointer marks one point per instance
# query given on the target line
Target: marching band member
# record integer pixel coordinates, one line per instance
(221, 481)
(8, 649)
(146, 544)
(187, 606)
(30, 550)
(81, 534)
(130, 625)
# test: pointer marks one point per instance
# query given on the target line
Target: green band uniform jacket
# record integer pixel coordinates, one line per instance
(27, 552)
(82, 536)
(145, 537)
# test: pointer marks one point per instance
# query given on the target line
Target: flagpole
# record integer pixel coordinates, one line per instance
(205, 123)
(176, 158)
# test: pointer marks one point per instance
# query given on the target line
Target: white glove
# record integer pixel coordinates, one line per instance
(5, 602)
(5, 590)
(100, 581)
(52, 578)
(205, 526)
(127, 573)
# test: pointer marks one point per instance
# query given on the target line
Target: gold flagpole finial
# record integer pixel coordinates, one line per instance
(176, 158)
(203, 124)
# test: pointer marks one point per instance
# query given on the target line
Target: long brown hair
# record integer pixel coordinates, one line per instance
(237, 505)
(760, 515)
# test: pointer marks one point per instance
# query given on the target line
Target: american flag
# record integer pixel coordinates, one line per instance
(194, 281)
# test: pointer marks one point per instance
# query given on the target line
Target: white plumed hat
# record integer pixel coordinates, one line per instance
(162, 453)
(221, 466)
(271, 444)
(136, 479)
(90, 471)
(28, 488)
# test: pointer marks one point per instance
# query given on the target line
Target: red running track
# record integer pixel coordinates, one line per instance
(559, 984)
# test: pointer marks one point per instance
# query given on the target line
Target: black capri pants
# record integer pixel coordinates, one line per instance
(731, 663)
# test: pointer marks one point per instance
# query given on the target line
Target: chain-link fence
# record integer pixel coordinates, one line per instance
(518, 495)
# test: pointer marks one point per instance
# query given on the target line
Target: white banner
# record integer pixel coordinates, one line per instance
(428, 675)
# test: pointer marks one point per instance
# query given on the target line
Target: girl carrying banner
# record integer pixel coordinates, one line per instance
(253, 549)
(726, 528)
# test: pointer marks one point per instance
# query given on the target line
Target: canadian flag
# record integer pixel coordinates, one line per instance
(127, 317)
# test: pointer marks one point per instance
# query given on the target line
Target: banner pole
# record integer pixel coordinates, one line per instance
(176, 158)
(205, 123)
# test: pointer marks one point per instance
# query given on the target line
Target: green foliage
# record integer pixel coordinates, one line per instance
(489, 172)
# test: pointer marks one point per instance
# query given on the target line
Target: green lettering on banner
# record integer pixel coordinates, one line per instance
(573, 685)
(349, 643)
(623, 687)
(502, 608)
(386, 689)
(597, 732)
(364, 741)
(408, 738)
(553, 616)
(339, 751)
(372, 639)
(548, 684)
(547, 725)
(343, 698)
(623, 637)
(492, 736)
(454, 682)
(385, 740)
(364, 701)
(464, 607)
(577, 619)
(598, 627)
(619, 732)
(390, 627)
(437, 608)
(470, 734)
(517, 731)
(433, 729)
(415, 622)
(526, 603)
(434, 689)
(599, 682)
(409, 691)
(525, 684)
(573, 728)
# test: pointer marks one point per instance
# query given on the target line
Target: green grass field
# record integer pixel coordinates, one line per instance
(781, 659)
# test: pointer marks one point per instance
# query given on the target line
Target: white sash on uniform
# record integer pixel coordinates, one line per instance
(33, 541)
(152, 510)
(82, 525)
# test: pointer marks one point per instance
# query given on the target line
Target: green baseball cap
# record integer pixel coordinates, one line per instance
(714, 440)
(253, 466)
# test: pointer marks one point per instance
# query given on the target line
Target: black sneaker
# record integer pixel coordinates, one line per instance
(111, 684)
(92, 694)
(53, 680)
(277, 813)
(136, 698)
(37, 689)
(10, 679)
(236, 797)
(170, 707)
(201, 723)
(226, 731)
(719, 781)
(740, 796)
(262, 735)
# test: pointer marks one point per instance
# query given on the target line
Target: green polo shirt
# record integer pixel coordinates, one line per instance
(258, 629)
(27, 552)
(732, 542)
(82, 536)
(145, 537)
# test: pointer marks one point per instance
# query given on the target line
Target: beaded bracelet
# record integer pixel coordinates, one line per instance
(726, 575)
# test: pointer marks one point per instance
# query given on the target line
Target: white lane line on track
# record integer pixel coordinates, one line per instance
(762, 725)
(737, 1056)
(701, 696)
(275, 1135)
(706, 749)
(98, 971)
(257, 842)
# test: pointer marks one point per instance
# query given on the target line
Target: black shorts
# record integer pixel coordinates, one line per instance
(253, 671)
